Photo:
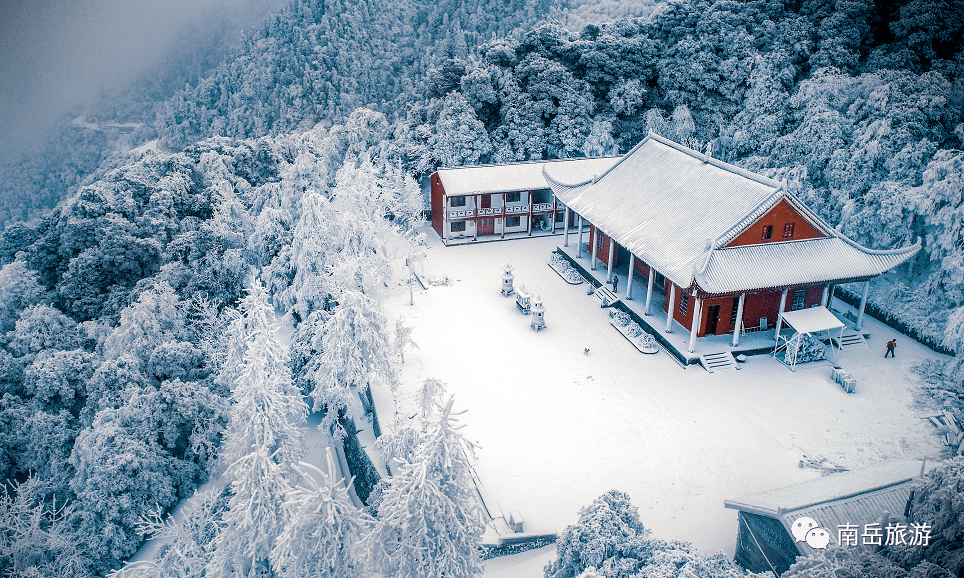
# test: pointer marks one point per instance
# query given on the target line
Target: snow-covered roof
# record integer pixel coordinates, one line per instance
(830, 488)
(836, 258)
(856, 497)
(812, 320)
(526, 176)
(676, 209)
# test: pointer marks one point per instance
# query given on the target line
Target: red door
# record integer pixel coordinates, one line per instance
(486, 226)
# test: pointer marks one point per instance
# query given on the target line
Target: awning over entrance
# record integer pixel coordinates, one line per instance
(806, 322)
(812, 320)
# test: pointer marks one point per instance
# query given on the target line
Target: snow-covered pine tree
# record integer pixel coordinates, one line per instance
(356, 349)
(428, 525)
(321, 540)
(264, 432)
(267, 409)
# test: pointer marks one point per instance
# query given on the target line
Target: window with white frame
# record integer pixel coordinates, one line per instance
(458, 201)
(513, 221)
(513, 197)
(458, 226)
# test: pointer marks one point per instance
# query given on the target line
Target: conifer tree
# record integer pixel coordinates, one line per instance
(428, 525)
(322, 537)
(264, 433)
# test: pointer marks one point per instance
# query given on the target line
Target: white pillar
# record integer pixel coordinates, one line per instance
(529, 218)
(629, 277)
(579, 250)
(739, 320)
(649, 289)
(783, 302)
(830, 296)
(553, 215)
(694, 327)
(823, 298)
(669, 307)
(566, 228)
(863, 303)
(612, 255)
(593, 241)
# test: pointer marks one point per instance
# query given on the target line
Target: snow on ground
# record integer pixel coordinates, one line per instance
(557, 428)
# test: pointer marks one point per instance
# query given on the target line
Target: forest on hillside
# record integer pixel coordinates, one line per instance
(139, 295)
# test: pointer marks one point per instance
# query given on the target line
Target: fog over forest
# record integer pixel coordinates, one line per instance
(55, 56)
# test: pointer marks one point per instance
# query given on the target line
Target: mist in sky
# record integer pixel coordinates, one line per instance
(57, 54)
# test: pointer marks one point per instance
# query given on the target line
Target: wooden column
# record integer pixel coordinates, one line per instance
(739, 320)
(593, 240)
(565, 227)
(475, 221)
(695, 326)
(629, 277)
(553, 217)
(830, 295)
(612, 255)
(649, 290)
(579, 248)
(823, 298)
(863, 303)
(669, 307)
(783, 302)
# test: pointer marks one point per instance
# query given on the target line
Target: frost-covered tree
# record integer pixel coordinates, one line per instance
(19, 289)
(940, 201)
(188, 538)
(355, 350)
(459, 137)
(609, 541)
(937, 502)
(36, 536)
(309, 250)
(322, 538)
(42, 327)
(154, 319)
(264, 435)
(256, 515)
(428, 524)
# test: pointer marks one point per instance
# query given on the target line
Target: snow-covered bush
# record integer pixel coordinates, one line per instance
(568, 272)
(937, 501)
(847, 561)
(610, 541)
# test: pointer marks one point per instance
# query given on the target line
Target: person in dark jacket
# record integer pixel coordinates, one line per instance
(615, 283)
(891, 348)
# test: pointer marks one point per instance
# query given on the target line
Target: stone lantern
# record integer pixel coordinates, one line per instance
(507, 278)
(538, 314)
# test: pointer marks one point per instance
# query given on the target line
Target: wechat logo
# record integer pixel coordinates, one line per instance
(807, 530)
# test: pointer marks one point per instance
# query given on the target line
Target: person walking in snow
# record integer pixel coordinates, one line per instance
(615, 282)
(891, 348)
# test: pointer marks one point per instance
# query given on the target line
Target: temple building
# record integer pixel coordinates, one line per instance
(727, 251)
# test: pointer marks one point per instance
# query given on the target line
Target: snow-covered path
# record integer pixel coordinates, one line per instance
(557, 428)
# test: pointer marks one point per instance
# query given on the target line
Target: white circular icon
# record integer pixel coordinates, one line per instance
(801, 526)
(818, 538)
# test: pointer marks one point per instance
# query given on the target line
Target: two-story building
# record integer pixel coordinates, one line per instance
(503, 201)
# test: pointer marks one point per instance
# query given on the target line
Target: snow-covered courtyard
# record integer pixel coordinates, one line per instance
(557, 427)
